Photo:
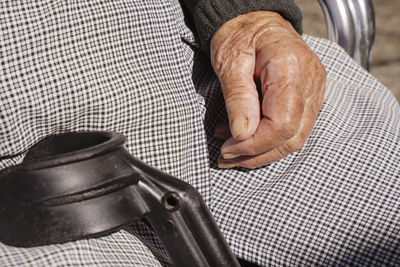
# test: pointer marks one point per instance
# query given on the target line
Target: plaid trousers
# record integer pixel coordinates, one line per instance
(134, 67)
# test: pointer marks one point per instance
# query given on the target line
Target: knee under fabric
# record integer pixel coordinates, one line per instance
(81, 185)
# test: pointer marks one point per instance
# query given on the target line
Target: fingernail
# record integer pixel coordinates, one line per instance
(240, 126)
(230, 156)
(226, 165)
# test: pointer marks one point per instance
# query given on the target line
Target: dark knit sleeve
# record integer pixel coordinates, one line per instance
(209, 15)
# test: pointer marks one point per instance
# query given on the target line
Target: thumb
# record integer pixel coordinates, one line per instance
(241, 96)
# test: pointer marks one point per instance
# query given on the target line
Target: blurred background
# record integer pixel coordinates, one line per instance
(386, 52)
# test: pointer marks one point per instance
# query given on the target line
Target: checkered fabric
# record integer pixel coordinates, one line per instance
(134, 67)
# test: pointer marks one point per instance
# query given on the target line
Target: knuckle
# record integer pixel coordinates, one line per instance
(282, 151)
(251, 163)
(252, 148)
(286, 128)
(294, 146)
(253, 145)
(235, 94)
(236, 97)
(286, 59)
(303, 136)
(304, 54)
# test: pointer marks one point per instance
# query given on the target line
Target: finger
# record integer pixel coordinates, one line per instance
(264, 139)
(251, 162)
(283, 109)
(240, 94)
(292, 145)
(271, 156)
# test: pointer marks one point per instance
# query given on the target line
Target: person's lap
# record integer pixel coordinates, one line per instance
(334, 202)
(132, 68)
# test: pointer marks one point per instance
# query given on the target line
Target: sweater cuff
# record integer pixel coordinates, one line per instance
(209, 15)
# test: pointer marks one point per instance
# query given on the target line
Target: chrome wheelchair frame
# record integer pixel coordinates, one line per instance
(351, 24)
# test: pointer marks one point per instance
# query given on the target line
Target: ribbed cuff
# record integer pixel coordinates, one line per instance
(209, 15)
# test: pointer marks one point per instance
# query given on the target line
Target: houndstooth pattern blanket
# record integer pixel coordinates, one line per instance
(134, 67)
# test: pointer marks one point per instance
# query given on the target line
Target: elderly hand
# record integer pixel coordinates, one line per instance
(263, 46)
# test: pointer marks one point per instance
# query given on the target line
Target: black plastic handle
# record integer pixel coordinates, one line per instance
(182, 221)
(80, 185)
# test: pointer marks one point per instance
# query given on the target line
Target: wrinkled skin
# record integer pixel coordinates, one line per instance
(263, 46)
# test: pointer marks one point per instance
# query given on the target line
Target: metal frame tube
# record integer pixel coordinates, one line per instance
(351, 24)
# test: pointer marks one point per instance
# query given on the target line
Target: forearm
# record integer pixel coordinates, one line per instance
(209, 15)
